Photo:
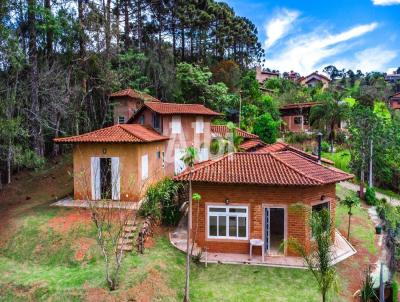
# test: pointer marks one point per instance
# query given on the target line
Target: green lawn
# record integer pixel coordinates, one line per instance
(340, 158)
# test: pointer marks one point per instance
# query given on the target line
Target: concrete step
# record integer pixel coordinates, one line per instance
(130, 223)
(125, 247)
(125, 241)
(128, 235)
(129, 229)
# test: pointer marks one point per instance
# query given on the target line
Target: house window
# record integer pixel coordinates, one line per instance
(156, 121)
(318, 208)
(176, 124)
(199, 124)
(163, 159)
(121, 119)
(227, 222)
(158, 154)
(203, 154)
(298, 120)
(141, 119)
(145, 166)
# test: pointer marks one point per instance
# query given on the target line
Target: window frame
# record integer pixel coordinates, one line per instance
(119, 119)
(176, 124)
(227, 215)
(298, 117)
(328, 201)
(145, 168)
(199, 126)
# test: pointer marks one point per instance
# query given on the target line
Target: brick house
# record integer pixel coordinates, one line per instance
(126, 102)
(315, 79)
(296, 117)
(259, 195)
(395, 101)
(263, 75)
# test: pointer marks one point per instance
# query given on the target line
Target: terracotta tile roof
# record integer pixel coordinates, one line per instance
(317, 74)
(222, 130)
(252, 143)
(397, 95)
(283, 168)
(299, 105)
(121, 133)
(280, 146)
(135, 94)
(173, 108)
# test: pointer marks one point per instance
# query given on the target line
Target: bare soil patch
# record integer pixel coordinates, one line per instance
(82, 247)
(70, 219)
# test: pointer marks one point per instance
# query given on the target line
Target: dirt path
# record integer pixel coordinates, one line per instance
(353, 187)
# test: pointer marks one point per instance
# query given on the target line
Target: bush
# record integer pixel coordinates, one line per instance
(297, 138)
(370, 196)
(161, 202)
(267, 128)
(395, 288)
(325, 146)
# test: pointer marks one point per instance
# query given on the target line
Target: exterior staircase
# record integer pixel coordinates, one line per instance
(125, 242)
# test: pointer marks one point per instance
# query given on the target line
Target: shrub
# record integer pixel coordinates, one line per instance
(395, 288)
(370, 196)
(161, 202)
(325, 146)
(297, 138)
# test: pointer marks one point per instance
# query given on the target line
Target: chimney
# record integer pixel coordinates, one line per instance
(319, 139)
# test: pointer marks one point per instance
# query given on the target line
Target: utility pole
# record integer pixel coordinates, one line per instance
(370, 181)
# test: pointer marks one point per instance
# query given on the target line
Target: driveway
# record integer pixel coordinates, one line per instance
(353, 187)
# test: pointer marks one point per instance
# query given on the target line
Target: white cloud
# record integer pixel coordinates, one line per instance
(305, 53)
(370, 59)
(391, 70)
(385, 2)
(279, 26)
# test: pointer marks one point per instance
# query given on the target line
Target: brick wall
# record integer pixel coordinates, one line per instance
(256, 198)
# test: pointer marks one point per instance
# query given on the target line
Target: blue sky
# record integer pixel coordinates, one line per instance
(307, 35)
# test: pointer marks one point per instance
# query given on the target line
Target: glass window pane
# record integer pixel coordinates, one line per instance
(232, 226)
(213, 225)
(236, 210)
(220, 210)
(222, 226)
(242, 227)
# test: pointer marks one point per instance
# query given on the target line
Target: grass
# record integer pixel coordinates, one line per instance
(340, 158)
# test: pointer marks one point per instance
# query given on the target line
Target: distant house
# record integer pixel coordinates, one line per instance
(127, 102)
(296, 117)
(394, 77)
(263, 75)
(395, 101)
(315, 79)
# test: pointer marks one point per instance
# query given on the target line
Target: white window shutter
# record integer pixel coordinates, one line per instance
(115, 178)
(145, 166)
(199, 124)
(203, 155)
(95, 176)
(179, 163)
(176, 124)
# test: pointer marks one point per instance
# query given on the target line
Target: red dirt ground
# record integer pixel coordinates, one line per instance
(64, 223)
(82, 247)
(352, 269)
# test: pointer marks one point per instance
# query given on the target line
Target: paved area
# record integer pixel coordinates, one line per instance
(342, 250)
(70, 203)
(353, 187)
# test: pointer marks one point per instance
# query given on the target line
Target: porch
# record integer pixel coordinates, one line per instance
(69, 202)
(342, 250)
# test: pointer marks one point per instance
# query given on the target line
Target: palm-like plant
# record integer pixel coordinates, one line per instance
(328, 114)
(189, 159)
(319, 260)
(350, 202)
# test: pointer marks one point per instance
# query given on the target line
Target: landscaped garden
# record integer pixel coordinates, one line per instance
(51, 254)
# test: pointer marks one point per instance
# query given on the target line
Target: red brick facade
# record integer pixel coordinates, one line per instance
(296, 201)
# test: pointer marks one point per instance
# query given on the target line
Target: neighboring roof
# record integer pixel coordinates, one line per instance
(251, 144)
(135, 94)
(121, 133)
(280, 146)
(395, 96)
(222, 130)
(315, 74)
(284, 168)
(173, 108)
(300, 105)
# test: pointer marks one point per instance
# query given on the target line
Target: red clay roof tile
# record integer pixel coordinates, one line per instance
(122, 133)
(173, 108)
(282, 168)
(222, 130)
(300, 105)
(252, 143)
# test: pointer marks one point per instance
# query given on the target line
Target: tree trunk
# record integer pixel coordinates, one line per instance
(126, 24)
(173, 36)
(107, 29)
(36, 129)
(117, 14)
(183, 44)
(348, 228)
(189, 222)
(9, 159)
(81, 36)
(49, 36)
(139, 23)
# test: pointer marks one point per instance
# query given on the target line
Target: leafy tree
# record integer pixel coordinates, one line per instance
(333, 72)
(267, 128)
(319, 260)
(227, 72)
(351, 201)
